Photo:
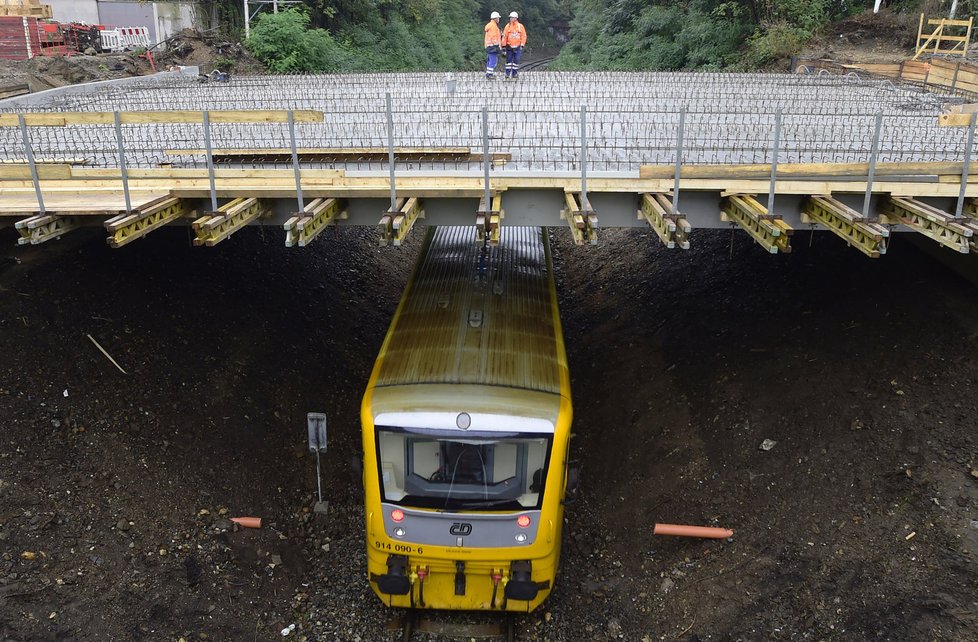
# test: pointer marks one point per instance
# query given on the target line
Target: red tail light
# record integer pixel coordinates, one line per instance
(398, 515)
(523, 521)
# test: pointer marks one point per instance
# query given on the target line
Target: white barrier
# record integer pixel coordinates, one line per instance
(123, 38)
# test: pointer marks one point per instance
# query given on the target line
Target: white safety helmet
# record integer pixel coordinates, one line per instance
(514, 15)
(495, 14)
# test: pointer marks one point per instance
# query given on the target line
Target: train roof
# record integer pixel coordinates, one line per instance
(474, 315)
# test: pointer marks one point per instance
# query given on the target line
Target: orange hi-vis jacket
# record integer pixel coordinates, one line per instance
(514, 35)
(492, 34)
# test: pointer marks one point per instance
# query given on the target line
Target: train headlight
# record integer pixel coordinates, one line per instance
(397, 515)
(523, 521)
(399, 532)
(521, 537)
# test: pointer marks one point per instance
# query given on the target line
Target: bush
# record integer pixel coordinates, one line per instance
(778, 42)
(285, 44)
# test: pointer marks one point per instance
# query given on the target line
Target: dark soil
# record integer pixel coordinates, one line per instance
(115, 490)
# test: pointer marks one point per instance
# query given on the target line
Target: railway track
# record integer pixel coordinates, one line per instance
(412, 622)
(537, 65)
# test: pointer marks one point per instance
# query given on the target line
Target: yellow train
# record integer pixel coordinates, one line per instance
(466, 427)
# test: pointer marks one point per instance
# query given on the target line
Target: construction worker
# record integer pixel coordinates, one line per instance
(493, 41)
(514, 39)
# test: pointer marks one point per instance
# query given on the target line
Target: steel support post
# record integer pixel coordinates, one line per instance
(122, 161)
(30, 161)
(966, 167)
(210, 159)
(872, 166)
(390, 150)
(485, 157)
(584, 203)
(679, 161)
(295, 162)
(774, 162)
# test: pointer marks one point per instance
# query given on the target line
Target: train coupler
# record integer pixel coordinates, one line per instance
(396, 580)
(520, 585)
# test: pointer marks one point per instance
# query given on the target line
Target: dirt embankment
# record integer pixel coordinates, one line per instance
(188, 48)
(115, 490)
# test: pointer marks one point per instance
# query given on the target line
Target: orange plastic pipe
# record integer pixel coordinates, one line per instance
(247, 522)
(681, 530)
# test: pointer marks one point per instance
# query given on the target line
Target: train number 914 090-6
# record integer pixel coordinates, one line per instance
(399, 548)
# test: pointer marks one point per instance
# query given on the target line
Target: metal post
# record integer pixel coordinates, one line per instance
(295, 163)
(210, 159)
(679, 161)
(122, 162)
(872, 164)
(584, 205)
(319, 479)
(247, 20)
(485, 155)
(390, 150)
(774, 161)
(31, 163)
(966, 167)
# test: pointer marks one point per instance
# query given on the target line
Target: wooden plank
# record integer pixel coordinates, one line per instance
(54, 172)
(59, 119)
(948, 22)
(14, 90)
(793, 170)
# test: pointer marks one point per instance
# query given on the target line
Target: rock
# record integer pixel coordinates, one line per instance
(667, 585)
(223, 524)
(277, 560)
(122, 525)
(767, 444)
(974, 473)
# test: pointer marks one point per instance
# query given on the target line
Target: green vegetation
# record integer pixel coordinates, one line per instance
(694, 34)
(393, 35)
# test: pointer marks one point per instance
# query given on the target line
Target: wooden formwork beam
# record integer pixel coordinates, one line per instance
(771, 233)
(582, 220)
(395, 224)
(847, 224)
(214, 227)
(41, 228)
(127, 227)
(63, 118)
(671, 227)
(315, 217)
(956, 234)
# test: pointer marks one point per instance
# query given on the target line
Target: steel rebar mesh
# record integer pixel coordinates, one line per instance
(632, 120)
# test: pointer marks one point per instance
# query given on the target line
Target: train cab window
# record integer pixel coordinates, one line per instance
(479, 471)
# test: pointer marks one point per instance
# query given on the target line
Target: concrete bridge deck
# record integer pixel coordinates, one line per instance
(672, 151)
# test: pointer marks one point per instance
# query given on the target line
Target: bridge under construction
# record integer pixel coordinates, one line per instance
(766, 153)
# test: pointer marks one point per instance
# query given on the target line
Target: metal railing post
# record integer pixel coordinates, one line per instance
(584, 205)
(966, 168)
(295, 163)
(485, 155)
(390, 150)
(122, 161)
(679, 160)
(210, 159)
(872, 165)
(30, 161)
(774, 161)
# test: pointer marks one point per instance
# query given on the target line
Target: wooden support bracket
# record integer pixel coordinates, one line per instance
(129, 226)
(44, 227)
(933, 223)
(315, 217)
(396, 224)
(487, 221)
(847, 224)
(217, 226)
(773, 234)
(583, 223)
(671, 227)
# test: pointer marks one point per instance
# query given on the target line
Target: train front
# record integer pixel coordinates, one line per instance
(464, 495)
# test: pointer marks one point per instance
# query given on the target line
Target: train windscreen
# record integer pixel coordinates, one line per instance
(482, 471)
